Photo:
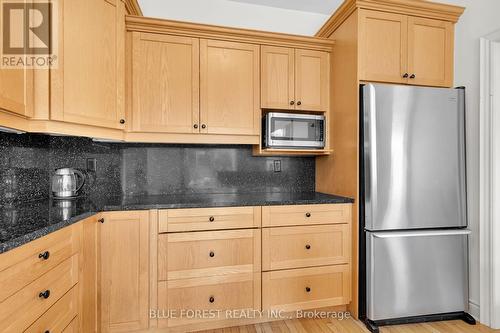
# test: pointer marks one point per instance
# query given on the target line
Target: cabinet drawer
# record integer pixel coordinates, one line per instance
(231, 292)
(21, 309)
(174, 220)
(306, 288)
(197, 254)
(59, 316)
(295, 247)
(25, 264)
(72, 327)
(273, 216)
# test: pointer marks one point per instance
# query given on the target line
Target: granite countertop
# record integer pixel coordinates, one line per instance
(22, 223)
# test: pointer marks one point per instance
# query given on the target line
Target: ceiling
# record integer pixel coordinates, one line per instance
(301, 17)
(326, 7)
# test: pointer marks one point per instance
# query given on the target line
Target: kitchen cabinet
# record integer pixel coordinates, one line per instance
(184, 85)
(165, 83)
(430, 52)
(40, 283)
(229, 88)
(405, 49)
(294, 79)
(16, 91)
(88, 85)
(124, 279)
(306, 256)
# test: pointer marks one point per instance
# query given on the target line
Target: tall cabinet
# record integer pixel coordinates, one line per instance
(390, 41)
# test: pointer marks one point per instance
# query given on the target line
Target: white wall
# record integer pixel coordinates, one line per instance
(480, 18)
(235, 14)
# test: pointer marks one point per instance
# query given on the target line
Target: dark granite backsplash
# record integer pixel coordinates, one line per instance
(27, 162)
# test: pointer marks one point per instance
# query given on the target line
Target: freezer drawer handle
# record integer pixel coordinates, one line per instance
(395, 234)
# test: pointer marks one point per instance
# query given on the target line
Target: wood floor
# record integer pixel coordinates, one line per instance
(352, 326)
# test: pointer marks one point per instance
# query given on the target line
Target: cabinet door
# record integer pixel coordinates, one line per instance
(312, 76)
(88, 85)
(165, 83)
(430, 52)
(16, 91)
(124, 271)
(278, 78)
(383, 46)
(229, 89)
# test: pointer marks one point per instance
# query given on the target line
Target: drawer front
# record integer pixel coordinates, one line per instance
(274, 216)
(72, 327)
(208, 253)
(25, 264)
(59, 316)
(296, 247)
(175, 220)
(306, 288)
(232, 292)
(21, 309)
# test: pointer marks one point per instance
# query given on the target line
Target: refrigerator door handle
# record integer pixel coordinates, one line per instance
(396, 234)
(370, 153)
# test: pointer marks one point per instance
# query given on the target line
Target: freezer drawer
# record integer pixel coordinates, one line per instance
(414, 273)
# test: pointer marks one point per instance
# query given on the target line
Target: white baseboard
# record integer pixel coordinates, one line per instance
(474, 310)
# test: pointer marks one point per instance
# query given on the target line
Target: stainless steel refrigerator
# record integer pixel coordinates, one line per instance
(413, 204)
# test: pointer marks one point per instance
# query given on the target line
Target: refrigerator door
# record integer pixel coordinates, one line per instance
(414, 273)
(414, 157)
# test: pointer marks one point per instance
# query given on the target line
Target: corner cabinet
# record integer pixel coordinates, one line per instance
(405, 49)
(88, 85)
(294, 79)
(124, 280)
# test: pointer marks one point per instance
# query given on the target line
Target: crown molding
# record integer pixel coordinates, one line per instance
(132, 7)
(154, 25)
(418, 8)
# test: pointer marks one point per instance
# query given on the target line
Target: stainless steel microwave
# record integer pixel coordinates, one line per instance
(291, 130)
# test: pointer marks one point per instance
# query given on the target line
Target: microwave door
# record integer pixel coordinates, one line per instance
(294, 132)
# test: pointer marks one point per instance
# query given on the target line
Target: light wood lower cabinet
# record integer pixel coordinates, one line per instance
(305, 246)
(108, 276)
(21, 309)
(56, 319)
(209, 253)
(280, 216)
(188, 298)
(193, 219)
(124, 271)
(306, 288)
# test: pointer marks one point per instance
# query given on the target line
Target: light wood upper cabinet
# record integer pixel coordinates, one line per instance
(405, 49)
(312, 69)
(16, 91)
(430, 52)
(229, 88)
(278, 77)
(125, 271)
(165, 81)
(383, 49)
(88, 85)
(294, 79)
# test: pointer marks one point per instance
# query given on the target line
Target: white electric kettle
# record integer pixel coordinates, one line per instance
(67, 182)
